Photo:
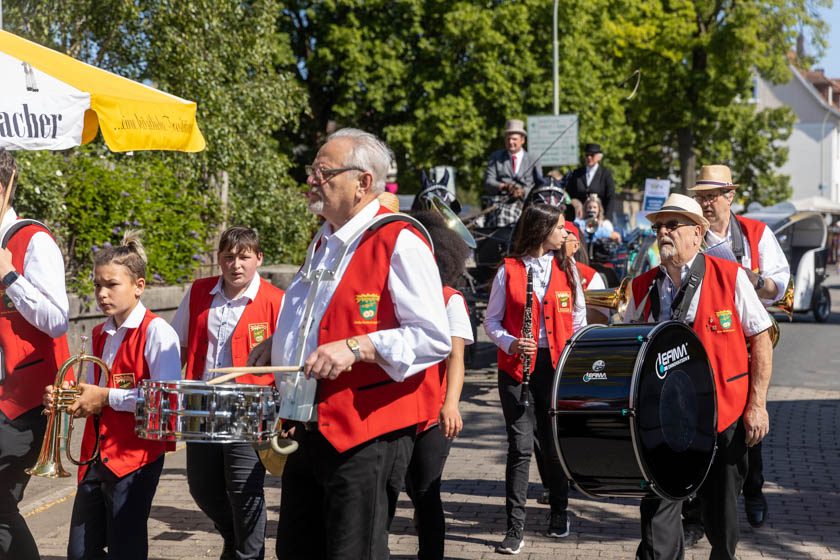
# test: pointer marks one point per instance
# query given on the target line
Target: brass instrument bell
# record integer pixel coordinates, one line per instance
(49, 464)
(615, 299)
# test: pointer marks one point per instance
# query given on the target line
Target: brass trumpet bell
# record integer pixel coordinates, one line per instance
(49, 464)
(452, 220)
(615, 299)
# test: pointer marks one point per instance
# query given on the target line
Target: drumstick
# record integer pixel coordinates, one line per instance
(234, 372)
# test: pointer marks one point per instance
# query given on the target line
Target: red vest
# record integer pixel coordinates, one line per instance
(718, 326)
(752, 230)
(119, 448)
(587, 273)
(366, 402)
(435, 385)
(556, 309)
(32, 357)
(257, 323)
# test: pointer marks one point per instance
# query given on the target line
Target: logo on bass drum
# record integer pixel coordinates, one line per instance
(670, 359)
(597, 373)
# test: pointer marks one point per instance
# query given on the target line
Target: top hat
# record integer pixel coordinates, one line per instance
(714, 177)
(592, 149)
(515, 126)
(683, 205)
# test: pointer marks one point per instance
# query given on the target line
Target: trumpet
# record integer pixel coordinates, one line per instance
(615, 299)
(49, 464)
(591, 226)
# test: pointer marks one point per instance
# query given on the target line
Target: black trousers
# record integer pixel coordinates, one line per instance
(754, 481)
(339, 506)
(20, 442)
(113, 512)
(422, 484)
(520, 423)
(662, 532)
(226, 481)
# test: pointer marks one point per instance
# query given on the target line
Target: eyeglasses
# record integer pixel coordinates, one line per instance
(669, 226)
(709, 198)
(322, 175)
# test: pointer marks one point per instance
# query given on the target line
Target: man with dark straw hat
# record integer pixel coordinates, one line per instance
(753, 245)
(592, 178)
(717, 299)
(510, 175)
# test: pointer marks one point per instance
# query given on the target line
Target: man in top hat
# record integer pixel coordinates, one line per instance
(717, 299)
(510, 175)
(592, 178)
(753, 245)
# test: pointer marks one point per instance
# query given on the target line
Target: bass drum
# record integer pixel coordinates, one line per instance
(634, 410)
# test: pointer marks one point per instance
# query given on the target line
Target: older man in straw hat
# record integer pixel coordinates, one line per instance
(716, 298)
(754, 246)
(510, 175)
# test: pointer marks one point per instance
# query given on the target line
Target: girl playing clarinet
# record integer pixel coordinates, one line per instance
(557, 310)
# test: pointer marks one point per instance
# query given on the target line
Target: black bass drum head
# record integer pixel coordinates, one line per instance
(675, 421)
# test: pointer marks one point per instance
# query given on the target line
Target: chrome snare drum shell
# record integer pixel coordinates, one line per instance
(186, 410)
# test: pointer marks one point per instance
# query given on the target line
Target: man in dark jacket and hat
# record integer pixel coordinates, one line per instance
(591, 178)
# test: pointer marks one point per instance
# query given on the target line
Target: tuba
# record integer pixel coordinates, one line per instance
(48, 464)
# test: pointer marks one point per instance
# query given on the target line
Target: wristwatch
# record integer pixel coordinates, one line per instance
(10, 278)
(353, 345)
(759, 284)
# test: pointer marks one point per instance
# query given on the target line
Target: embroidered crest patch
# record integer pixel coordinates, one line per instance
(368, 304)
(7, 306)
(724, 318)
(257, 332)
(123, 380)
(564, 302)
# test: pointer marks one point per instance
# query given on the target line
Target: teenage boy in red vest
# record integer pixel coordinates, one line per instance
(753, 245)
(219, 321)
(33, 323)
(378, 322)
(724, 311)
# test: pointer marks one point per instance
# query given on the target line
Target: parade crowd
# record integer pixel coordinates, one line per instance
(375, 322)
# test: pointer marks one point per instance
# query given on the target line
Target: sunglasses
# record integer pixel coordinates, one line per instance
(668, 226)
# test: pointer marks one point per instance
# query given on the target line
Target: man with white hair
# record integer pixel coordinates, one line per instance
(377, 322)
(716, 298)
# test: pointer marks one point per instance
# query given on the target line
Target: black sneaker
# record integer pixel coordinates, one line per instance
(692, 533)
(513, 542)
(558, 525)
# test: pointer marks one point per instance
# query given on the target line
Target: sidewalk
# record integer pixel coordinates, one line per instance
(802, 464)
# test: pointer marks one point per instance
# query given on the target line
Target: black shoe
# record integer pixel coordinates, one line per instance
(513, 542)
(558, 525)
(692, 534)
(756, 509)
(544, 498)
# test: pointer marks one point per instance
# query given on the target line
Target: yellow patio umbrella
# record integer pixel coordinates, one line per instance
(50, 101)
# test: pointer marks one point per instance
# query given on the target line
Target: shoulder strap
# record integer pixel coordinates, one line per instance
(737, 238)
(681, 303)
(16, 226)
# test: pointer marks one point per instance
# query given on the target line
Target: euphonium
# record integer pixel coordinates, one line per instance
(49, 460)
(611, 298)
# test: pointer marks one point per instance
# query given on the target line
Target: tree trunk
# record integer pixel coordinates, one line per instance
(688, 159)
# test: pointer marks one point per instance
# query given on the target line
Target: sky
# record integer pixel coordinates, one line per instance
(831, 60)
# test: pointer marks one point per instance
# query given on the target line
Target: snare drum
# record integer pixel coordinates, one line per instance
(634, 410)
(186, 410)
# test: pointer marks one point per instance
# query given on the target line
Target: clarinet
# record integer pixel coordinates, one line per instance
(527, 332)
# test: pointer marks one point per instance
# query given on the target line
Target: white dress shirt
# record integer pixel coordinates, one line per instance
(754, 318)
(162, 354)
(421, 340)
(772, 262)
(39, 294)
(222, 319)
(590, 173)
(542, 276)
(459, 319)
